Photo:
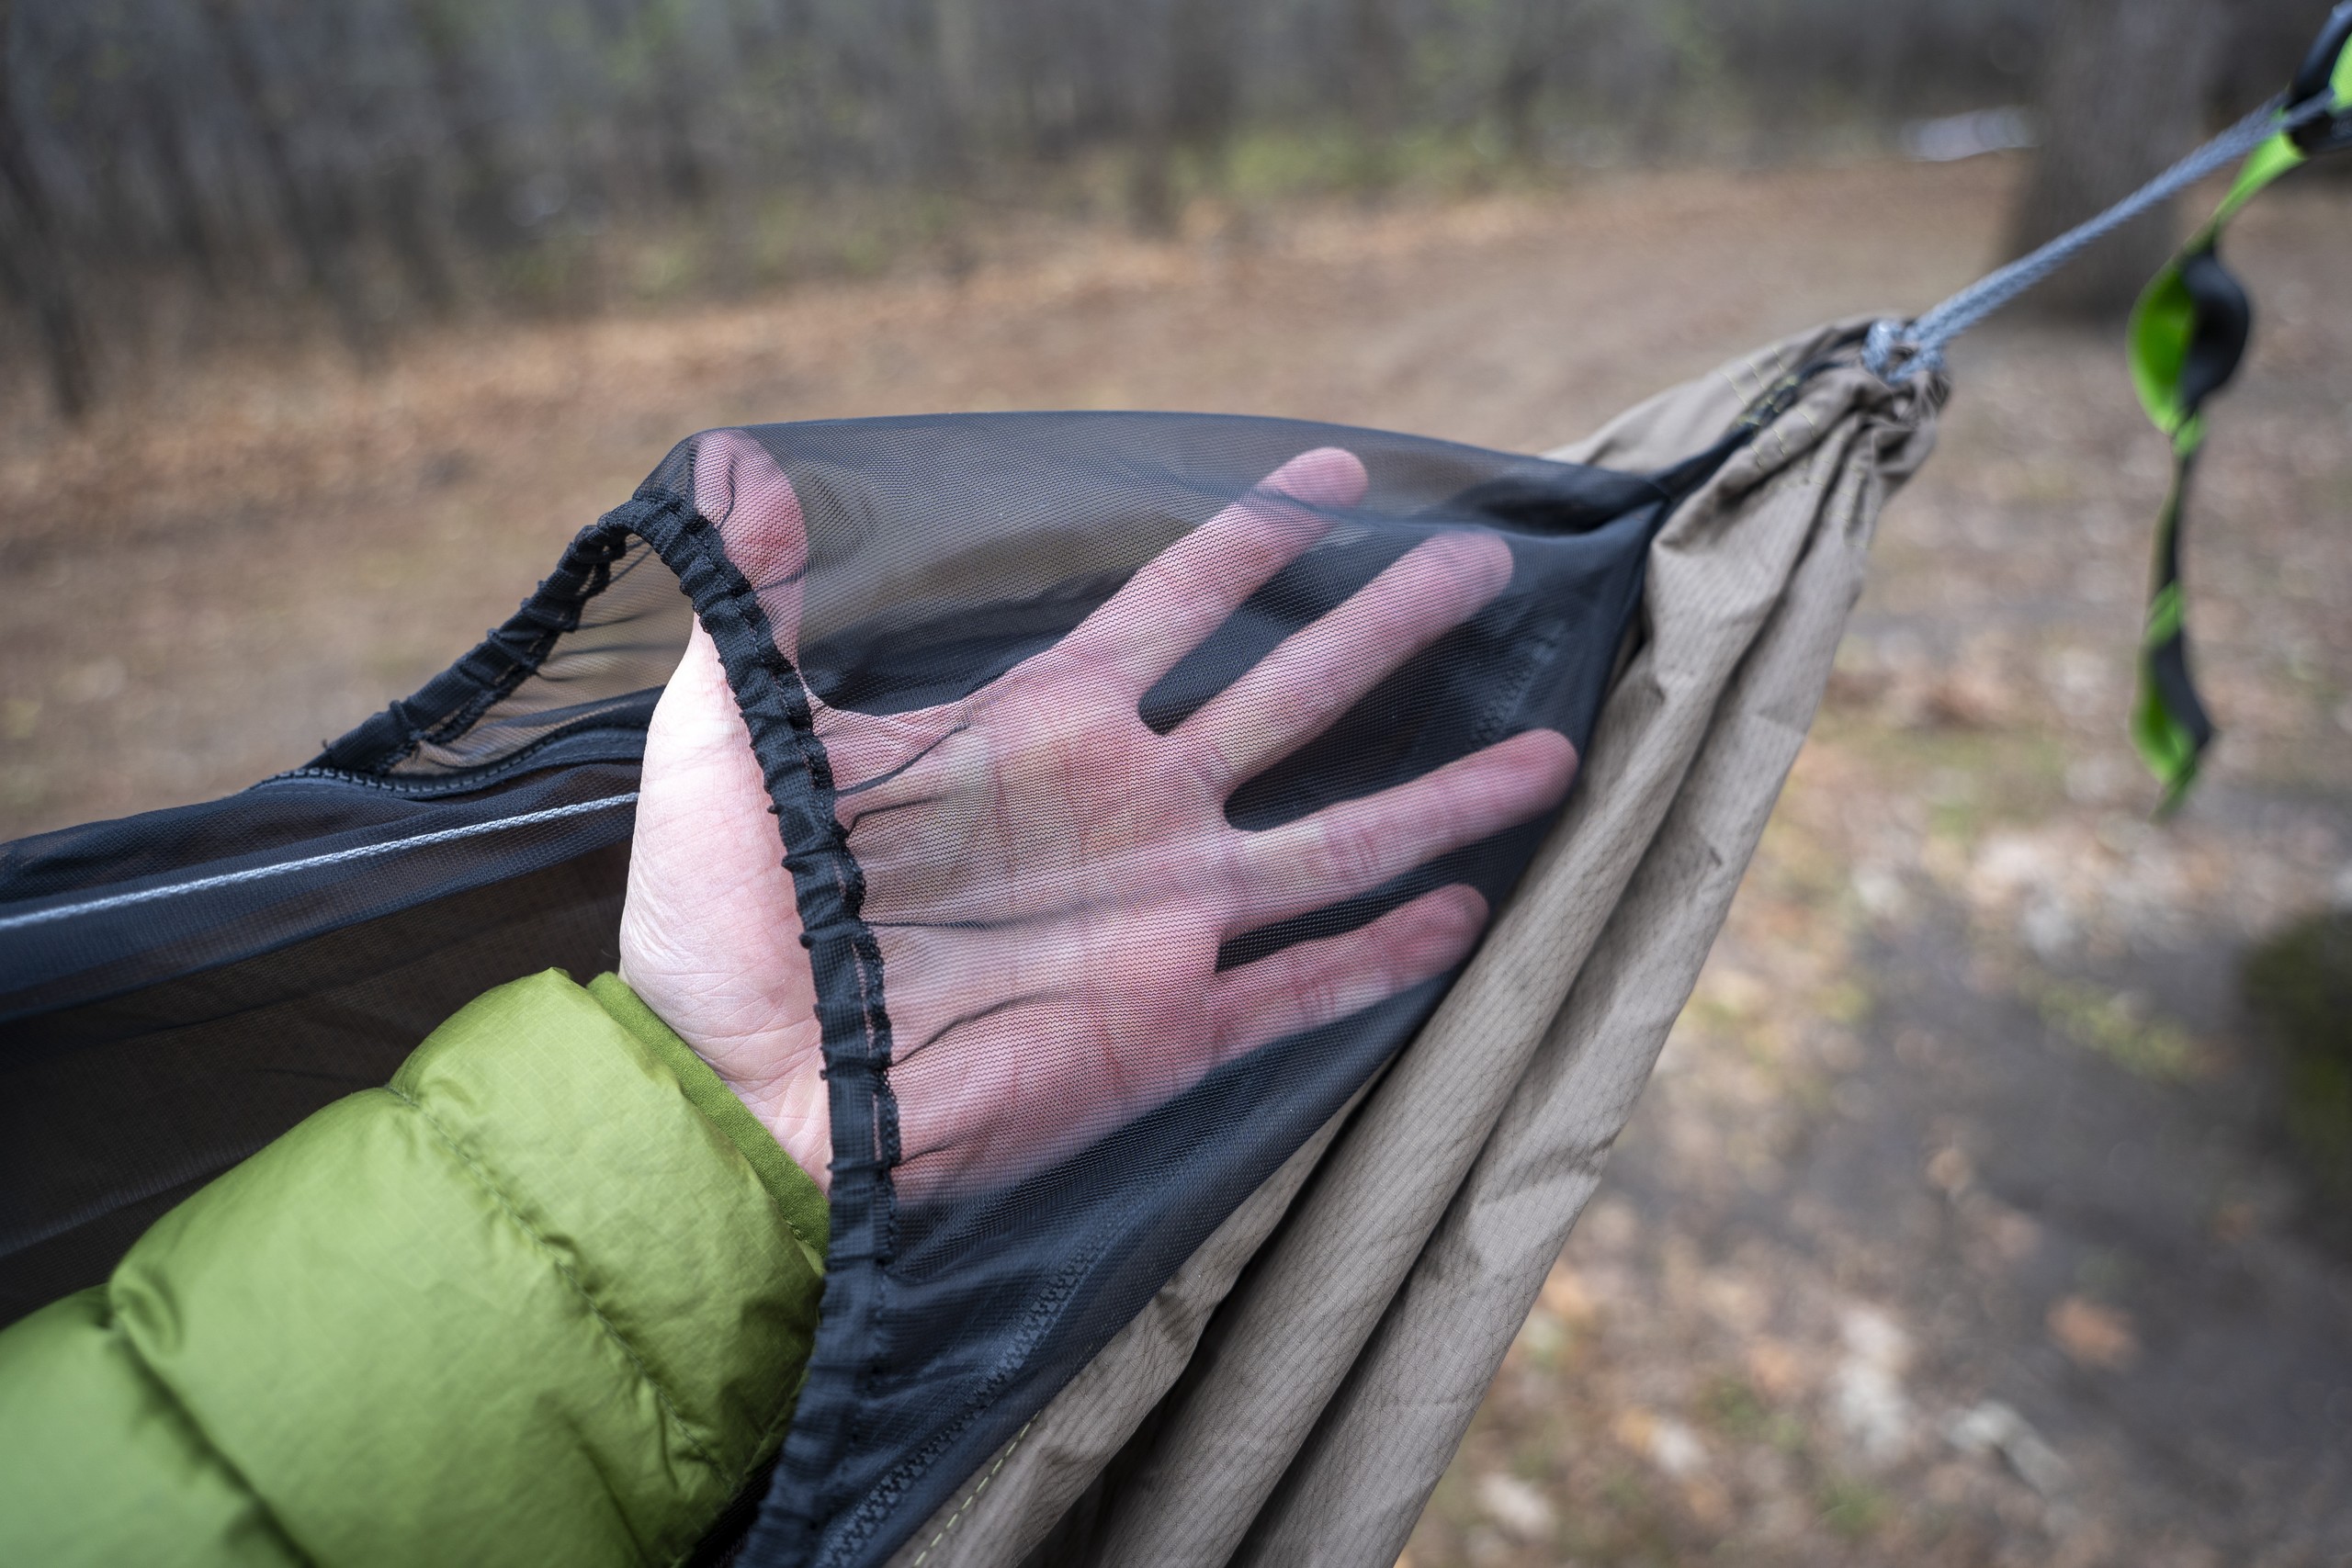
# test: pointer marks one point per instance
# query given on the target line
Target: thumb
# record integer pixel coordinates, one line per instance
(697, 725)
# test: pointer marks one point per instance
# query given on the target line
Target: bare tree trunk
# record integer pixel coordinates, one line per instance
(1202, 65)
(463, 106)
(1518, 86)
(183, 201)
(402, 207)
(1186, 104)
(2122, 94)
(958, 107)
(312, 217)
(33, 263)
(1887, 47)
(1375, 58)
(1151, 175)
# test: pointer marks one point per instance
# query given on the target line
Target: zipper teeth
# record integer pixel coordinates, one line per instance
(456, 784)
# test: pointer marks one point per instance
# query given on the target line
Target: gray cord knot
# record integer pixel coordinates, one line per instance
(1894, 352)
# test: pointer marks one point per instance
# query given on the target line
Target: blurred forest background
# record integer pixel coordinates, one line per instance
(173, 172)
(1988, 1203)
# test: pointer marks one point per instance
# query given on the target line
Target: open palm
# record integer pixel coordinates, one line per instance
(1049, 879)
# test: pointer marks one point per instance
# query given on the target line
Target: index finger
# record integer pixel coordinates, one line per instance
(1188, 590)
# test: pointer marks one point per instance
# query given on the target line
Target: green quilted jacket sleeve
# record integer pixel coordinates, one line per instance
(544, 1299)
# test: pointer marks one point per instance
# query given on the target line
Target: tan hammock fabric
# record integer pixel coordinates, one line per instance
(1294, 1394)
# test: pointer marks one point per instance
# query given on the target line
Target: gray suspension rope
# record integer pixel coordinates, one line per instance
(1897, 351)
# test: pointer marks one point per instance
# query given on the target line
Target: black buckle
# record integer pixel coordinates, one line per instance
(2329, 132)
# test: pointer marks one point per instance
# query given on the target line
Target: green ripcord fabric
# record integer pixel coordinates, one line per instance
(2188, 333)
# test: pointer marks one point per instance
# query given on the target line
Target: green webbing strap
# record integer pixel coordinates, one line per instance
(2188, 333)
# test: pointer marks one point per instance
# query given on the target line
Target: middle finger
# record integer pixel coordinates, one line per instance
(1303, 687)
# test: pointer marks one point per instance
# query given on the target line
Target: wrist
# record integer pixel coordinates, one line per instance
(797, 1111)
(774, 1069)
(797, 1192)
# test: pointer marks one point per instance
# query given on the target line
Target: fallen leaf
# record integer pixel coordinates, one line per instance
(2093, 1334)
(1564, 1297)
(1520, 1508)
(1774, 1367)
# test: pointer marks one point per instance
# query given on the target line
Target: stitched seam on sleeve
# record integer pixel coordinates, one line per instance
(686, 1435)
(199, 1437)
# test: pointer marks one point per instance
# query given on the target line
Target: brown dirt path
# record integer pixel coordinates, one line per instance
(1952, 1231)
(228, 566)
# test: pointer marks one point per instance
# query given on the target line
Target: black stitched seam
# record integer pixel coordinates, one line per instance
(462, 780)
(552, 615)
(873, 1508)
(388, 738)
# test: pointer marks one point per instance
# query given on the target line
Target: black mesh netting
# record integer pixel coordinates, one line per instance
(1142, 779)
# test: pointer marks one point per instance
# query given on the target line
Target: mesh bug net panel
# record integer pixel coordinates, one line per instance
(1132, 847)
(1145, 781)
(1297, 1387)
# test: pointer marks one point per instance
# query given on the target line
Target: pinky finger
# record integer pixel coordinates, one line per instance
(1314, 983)
(740, 488)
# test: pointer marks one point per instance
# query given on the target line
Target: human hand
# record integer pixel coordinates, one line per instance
(1048, 878)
